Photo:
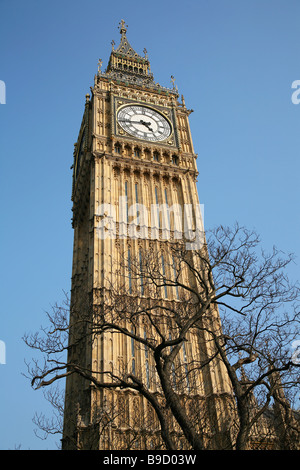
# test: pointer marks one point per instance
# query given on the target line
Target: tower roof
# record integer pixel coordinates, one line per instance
(125, 62)
(126, 65)
(124, 47)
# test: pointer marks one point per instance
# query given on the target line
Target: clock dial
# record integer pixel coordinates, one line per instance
(144, 123)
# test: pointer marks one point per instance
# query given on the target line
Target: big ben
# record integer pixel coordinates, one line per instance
(134, 155)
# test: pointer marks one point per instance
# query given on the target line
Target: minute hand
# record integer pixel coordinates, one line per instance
(136, 122)
(147, 124)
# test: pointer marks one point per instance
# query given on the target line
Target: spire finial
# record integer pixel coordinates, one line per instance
(173, 81)
(99, 66)
(123, 27)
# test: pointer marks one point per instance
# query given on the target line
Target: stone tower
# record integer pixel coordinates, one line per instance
(134, 158)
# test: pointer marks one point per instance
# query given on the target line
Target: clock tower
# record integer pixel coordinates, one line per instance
(134, 153)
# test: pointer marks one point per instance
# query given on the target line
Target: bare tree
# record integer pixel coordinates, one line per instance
(259, 312)
(54, 425)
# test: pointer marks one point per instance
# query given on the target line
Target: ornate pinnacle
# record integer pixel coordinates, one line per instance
(122, 27)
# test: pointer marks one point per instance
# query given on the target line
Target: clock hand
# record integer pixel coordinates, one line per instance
(136, 122)
(144, 123)
(128, 120)
(147, 124)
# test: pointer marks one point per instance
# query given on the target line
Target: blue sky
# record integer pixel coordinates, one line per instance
(234, 61)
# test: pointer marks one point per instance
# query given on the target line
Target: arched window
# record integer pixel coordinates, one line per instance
(157, 206)
(127, 149)
(164, 274)
(174, 159)
(126, 195)
(118, 148)
(122, 411)
(132, 354)
(129, 273)
(141, 271)
(186, 367)
(147, 154)
(175, 277)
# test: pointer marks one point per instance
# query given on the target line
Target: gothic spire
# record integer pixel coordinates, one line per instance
(125, 62)
(124, 47)
(127, 66)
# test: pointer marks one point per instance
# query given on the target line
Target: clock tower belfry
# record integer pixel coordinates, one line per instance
(134, 152)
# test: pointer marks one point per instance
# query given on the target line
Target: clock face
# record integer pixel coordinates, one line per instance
(144, 123)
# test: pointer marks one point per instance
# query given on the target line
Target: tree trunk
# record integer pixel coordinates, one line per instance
(177, 409)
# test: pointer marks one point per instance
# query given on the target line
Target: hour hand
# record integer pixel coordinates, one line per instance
(147, 124)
